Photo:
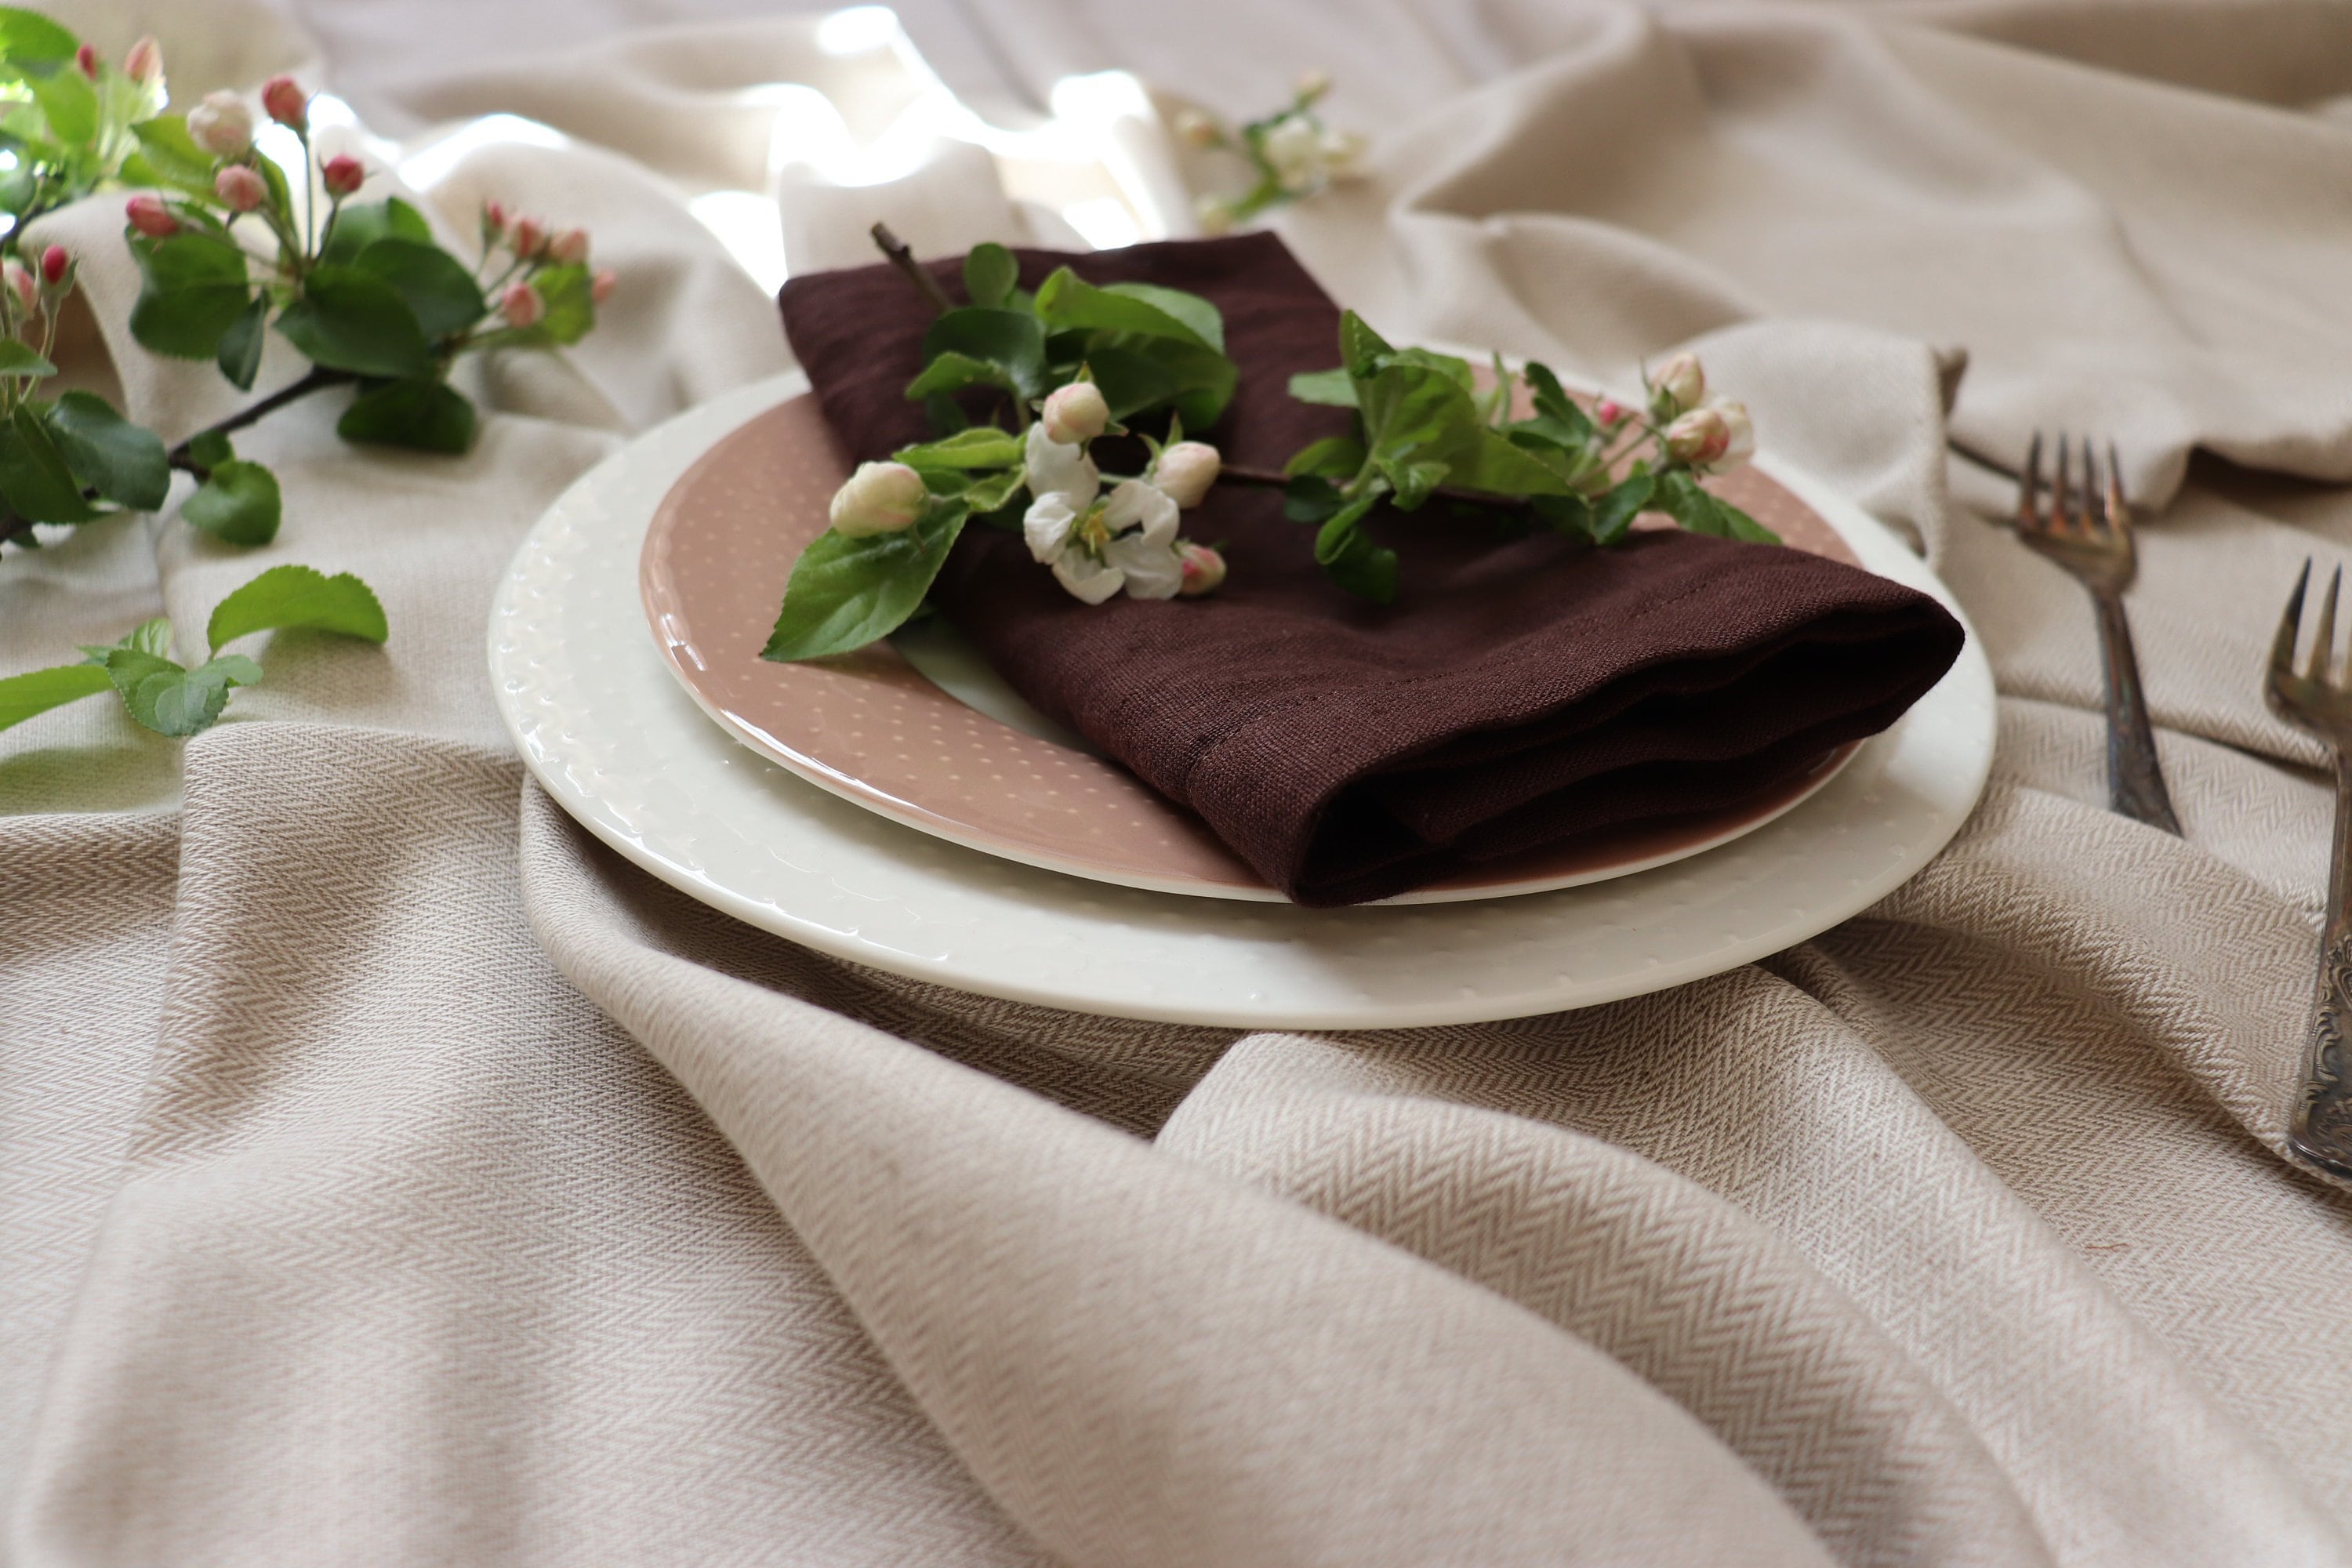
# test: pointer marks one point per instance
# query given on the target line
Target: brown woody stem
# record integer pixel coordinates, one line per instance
(903, 260)
(319, 380)
(1240, 474)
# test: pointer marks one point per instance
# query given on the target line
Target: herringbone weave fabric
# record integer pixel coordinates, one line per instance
(389, 1174)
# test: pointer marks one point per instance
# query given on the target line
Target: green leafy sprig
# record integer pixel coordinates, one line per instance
(1423, 428)
(173, 700)
(1151, 352)
(230, 249)
(1292, 153)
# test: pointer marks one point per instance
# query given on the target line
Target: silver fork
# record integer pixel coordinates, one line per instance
(2089, 533)
(2319, 1127)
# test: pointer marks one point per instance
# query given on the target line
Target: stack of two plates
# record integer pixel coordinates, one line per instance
(903, 808)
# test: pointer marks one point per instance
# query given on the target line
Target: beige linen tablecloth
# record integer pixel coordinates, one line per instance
(389, 1174)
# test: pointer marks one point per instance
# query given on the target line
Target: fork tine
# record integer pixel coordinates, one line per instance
(2061, 498)
(2029, 489)
(2094, 500)
(2118, 505)
(2323, 642)
(2282, 644)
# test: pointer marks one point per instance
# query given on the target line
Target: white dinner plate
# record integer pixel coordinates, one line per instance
(620, 745)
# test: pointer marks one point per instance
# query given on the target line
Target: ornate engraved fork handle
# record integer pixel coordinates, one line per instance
(2134, 780)
(2320, 1128)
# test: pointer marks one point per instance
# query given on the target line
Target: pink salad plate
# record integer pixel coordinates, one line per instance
(919, 729)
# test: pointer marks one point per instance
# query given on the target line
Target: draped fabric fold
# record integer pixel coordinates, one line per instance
(390, 1174)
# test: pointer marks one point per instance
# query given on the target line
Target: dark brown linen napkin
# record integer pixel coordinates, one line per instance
(1520, 692)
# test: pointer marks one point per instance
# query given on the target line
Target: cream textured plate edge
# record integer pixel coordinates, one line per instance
(624, 749)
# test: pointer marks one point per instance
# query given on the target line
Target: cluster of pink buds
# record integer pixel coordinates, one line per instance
(533, 244)
(25, 292)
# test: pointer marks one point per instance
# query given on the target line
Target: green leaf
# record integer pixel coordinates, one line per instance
(1553, 402)
(1570, 515)
(124, 463)
(1198, 315)
(1415, 412)
(362, 224)
(1067, 301)
(173, 154)
(1311, 498)
(196, 289)
(846, 593)
(239, 353)
(210, 449)
(990, 274)
(1681, 497)
(1413, 482)
(126, 666)
(1452, 368)
(350, 320)
(33, 474)
(39, 690)
(1353, 561)
(70, 102)
(1616, 511)
(18, 359)
(1132, 380)
(569, 294)
(1359, 347)
(980, 447)
(28, 38)
(178, 702)
(151, 637)
(1334, 456)
(953, 372)
(1332, 388)
(299, 596)
(1012, 340)
(1205, 380)
(238, 503)
(420, 413)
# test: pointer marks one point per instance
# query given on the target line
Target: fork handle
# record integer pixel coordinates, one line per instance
(2319, 1127)
(2134, 780)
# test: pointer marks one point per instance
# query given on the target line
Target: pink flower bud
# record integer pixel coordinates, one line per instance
(1186, 470)
(1699, 437)
(1678, 385)
(1204, 569)
(21, 288)
(148, 215)
(239, 188)
(600, 285)
(55, 263)
(521, 305)
(1076, 413)
(144, 63)
(222, 125)
(569, 248)
(286, 102)
(86, 57)
(528, 237)
(494, 219)
(880, 497)
(1610, 414)
(343, 175)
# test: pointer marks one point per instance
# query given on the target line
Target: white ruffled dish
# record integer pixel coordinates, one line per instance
(603, 727)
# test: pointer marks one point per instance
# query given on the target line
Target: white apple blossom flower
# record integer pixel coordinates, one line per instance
(1294, 148)
(1098, 545)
